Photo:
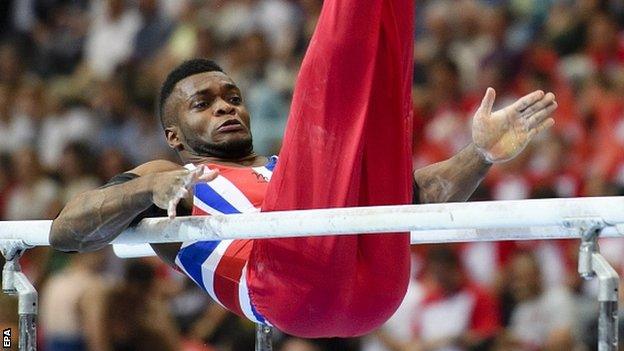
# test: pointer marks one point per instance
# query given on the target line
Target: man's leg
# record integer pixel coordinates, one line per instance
(347, 143)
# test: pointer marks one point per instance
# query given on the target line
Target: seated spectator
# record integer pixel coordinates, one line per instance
(132, 315)
(16, 130)
(540, 316)
(455, 314)
(6, 181)
(154, 31)
(65, 294)
(68, 120)
(110, 39)
(76, 170)
(34, 192)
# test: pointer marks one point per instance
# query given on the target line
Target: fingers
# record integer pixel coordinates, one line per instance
(179, 187)
(528, 100)
(171, 209)
(200, 174)
(208, 175)
(541, 127)
(541, 115)
(173, 202)
(488, 101)
(545, 102)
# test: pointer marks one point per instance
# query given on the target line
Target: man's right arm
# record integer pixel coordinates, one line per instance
(93, 219)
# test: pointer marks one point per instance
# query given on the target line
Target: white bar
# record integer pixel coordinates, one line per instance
(435, 236)
(133, 251)
(452, 222)
(489, 215)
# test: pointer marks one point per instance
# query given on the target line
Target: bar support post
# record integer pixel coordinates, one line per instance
(592, 264)
(264, 338)
(15, 282)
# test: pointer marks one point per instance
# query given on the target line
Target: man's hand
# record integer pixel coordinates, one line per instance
(170, 187)
(502, 135)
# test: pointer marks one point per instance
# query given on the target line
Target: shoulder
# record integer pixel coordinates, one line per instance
(155, 167)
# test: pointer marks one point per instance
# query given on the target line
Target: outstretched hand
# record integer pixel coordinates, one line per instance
(170, 187)
(502, 135)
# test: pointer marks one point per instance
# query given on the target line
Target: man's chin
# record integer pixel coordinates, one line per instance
(230, 148)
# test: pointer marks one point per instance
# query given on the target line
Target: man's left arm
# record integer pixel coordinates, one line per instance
(497, 137)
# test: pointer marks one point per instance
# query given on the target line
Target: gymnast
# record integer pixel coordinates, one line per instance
(347, 143)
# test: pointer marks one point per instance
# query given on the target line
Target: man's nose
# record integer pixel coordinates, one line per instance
(224, 108)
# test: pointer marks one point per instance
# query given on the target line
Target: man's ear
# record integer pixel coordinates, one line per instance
(172, 134)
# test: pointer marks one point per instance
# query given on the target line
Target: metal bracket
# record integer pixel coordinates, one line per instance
(589, 231)
(15, 282)
(592, 264)
(264, 338)
(12, 248)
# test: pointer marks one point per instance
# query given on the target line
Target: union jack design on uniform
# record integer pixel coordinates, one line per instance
(220, 267)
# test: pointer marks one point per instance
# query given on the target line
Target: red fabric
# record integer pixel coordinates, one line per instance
(347, 143)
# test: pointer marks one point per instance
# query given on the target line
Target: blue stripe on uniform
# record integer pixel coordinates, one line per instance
(257, 314)
(211, 198)
(193, 256)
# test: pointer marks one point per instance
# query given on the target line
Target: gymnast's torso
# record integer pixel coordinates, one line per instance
(219, 267)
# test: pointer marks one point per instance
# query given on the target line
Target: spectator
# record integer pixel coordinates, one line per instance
(34, 193)
(110, 38)
(154, 31)
(110, 101)
(132, 315)
(539, 317)
(15, 130)
(67, 294)
(59, 38)
(6, 181)
(11, 68)
(68, 120)
(112, 161)
(77, 167)
(455, 314)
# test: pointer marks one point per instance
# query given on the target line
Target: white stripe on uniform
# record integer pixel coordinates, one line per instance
(210, 265)
(230, 193)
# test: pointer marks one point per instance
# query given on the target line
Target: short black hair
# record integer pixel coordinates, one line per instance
(185, 69)
(443, 255)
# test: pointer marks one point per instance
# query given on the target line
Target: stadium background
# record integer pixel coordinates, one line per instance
(78, 81)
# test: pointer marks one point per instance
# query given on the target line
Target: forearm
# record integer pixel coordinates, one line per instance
(452, 180)
(93, 219)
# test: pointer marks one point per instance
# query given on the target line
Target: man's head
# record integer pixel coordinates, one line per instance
(202, 112)
(525, 277)
(444, 267)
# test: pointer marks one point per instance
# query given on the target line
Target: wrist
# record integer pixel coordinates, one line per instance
(142, 190)
(481, 155)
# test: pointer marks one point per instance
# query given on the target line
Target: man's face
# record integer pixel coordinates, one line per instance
(211, 116)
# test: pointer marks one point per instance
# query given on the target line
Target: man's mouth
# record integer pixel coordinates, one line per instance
(231, 125)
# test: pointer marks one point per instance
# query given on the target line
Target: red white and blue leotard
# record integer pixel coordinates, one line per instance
(219, 267)
(348, 142)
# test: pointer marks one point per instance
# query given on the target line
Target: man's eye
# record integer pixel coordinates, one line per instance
(236, 100)
(200, 104)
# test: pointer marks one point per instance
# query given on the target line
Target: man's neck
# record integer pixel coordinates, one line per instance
(251, 160)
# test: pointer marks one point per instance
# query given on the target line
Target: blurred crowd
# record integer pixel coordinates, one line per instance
(78, 84)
